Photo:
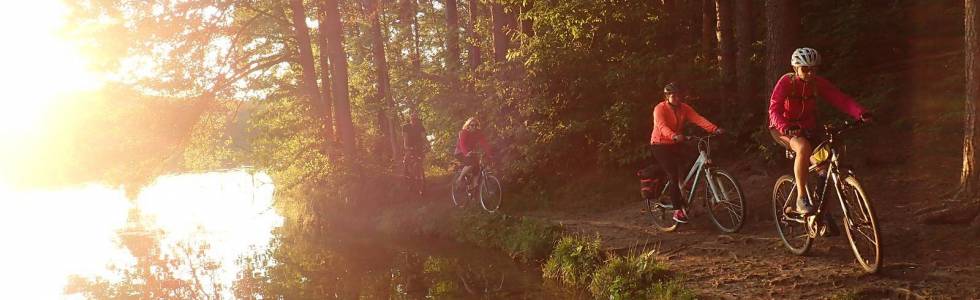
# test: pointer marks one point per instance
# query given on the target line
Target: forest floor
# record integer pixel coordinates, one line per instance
(920, 261)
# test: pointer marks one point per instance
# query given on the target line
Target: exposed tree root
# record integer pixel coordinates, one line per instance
(960, 212)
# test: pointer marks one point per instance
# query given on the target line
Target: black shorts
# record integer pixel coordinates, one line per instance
(809, 135)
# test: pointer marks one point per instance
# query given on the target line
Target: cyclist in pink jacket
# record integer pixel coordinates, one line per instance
(793, 113)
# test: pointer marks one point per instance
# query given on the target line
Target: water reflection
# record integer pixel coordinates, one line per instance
(216, 236)
(179, 239)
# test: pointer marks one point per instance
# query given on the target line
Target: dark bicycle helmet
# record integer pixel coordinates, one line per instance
(673, 87)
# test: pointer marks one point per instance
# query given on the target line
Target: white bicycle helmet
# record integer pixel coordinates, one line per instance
(805, 57)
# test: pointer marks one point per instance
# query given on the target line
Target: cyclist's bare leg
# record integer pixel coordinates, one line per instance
(462, 174)
(801, 165)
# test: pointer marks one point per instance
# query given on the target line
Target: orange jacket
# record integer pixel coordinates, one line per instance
(668, 121)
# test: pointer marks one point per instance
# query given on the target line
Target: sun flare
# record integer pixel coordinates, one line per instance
(41, 66)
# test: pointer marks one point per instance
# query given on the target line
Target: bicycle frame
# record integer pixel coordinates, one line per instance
(702, 167)
(834, 175)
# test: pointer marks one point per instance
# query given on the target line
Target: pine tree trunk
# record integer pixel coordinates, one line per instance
(475, 54)
(338, 64)
(452, 34)
(498, 19)
(968, 175)
(325, 96)
(726, 46)
(708, 21)
(782, 29)
(743, 41)
(386, 114)
(408, 30)
(527, 24)
(308, 83)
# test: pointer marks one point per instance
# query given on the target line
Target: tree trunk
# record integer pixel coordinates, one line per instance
(498, 28)
(527, 24)
(338, 64)
(743, 41)
(708, 39)
(452, 35)
(408, 24)
(782, 29)
(968, 175)
(308, 83)
(325, 96)
(475, 54)
(726, 46)
(386, 116)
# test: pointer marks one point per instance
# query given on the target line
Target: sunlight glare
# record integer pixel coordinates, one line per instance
(50, 235)
(40, 65)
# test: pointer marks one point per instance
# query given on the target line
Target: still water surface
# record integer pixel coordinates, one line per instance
(216, 236)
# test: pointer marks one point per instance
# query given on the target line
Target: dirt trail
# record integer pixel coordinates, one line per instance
(919, 262)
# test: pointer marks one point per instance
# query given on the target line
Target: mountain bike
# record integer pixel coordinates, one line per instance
(414, 173)
(860, 222)
(718, 191)
(485, 187)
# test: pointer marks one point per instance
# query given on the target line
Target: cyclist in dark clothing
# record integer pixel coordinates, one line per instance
(414, 134)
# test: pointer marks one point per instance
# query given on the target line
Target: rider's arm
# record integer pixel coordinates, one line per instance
(838, 99)
(699, 120)
(660, 113)
(776, 108)
(461, 145)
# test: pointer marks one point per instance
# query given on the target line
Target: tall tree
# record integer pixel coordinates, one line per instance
(743, 42)
(325, 97)
(708, 23)
(474, 55)
(338, 72)
(387, 119)
(452, 34)
(782, 29)
(726, 45)
(309, 84)
(969, 176)
(408, 30)
(498, 28)
(527, 24)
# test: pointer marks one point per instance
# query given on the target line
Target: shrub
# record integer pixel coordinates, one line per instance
(627, 277)
(530, 240)
(573, 260)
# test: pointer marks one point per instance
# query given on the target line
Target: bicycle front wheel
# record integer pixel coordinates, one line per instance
(792, 229)
(491, 193)
(727, 209)
(459, 193)
(861, 225)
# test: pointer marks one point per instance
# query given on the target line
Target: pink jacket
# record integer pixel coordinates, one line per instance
(788, 107)
(668, 121)
(469, 141)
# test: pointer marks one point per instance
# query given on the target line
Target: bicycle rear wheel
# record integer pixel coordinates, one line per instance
(491, 193)
(662, 217)
(792, 229)
(728, 210)
(861, 225)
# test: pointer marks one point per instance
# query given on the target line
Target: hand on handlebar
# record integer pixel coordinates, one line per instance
(719, 131)
(679, 138)
(867, 118)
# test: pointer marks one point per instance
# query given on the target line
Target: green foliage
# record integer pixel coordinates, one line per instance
(574, 260)
(530, 240)
(628, 277)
